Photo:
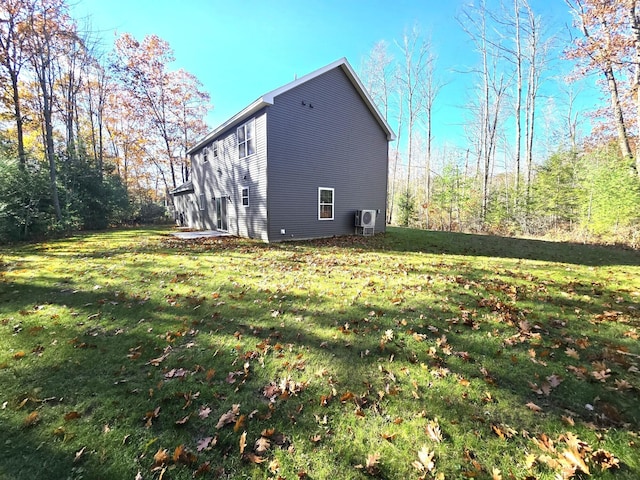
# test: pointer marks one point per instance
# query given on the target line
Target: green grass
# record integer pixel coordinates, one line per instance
(121, 351)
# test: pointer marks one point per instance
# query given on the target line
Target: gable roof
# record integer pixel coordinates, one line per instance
(269, 99)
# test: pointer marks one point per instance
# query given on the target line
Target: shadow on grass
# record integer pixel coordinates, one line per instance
(102, 368)
(398, 239)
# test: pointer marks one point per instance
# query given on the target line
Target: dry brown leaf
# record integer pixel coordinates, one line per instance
(262, 445)
(71, 416)
(79, 454)
(228, 417)
(178, 453)
(433, 430)
(161, 457)
(239, 423)
(205, 444)
(605, 460)
(572, 353)
(425, 462)
(576, 460)
(183, 421)
(253, 458)
(31, 419)
(388, 436)
(532, 406)
(243, 442)
(373, 459)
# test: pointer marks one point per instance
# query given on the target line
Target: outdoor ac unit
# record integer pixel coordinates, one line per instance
(366, 218)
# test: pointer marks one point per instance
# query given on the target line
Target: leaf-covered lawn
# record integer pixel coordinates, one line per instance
(131, 354)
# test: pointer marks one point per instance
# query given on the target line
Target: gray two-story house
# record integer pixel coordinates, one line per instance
(306, 160)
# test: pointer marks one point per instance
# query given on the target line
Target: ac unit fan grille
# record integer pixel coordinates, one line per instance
(366, 218)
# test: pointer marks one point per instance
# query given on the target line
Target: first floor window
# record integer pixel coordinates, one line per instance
(245, 196)
(325, 203)
(202, 200)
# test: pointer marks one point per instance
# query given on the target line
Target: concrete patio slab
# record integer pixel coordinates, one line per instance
(200, 234)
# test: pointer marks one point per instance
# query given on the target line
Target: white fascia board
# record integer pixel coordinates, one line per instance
(237, 118)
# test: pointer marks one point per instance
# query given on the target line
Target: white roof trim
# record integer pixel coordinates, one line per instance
(269, 99)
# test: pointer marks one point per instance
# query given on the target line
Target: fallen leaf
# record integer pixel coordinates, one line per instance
(532, 406)
(161, 457)
(183, 421)
(31, 419)
(72, 416)
(79, 454)
(425, 462)
(205, 444)
(605, 460)
(433, 430)
(228, 417)
(243, 442)
(202, 469)
(239, 423)
(253, 458)
(204, 412)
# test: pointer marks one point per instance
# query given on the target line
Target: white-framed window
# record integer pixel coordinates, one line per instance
(325, 203)
(205, 155)
(202, 201)
(244, 195)
(246, 139)
(215, 150)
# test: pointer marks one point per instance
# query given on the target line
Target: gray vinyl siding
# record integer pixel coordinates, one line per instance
(336, 144)
(226, 176)
(186, 208)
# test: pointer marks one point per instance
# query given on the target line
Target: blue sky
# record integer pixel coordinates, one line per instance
(242, 49)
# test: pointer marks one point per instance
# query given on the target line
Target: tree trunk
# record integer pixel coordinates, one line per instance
(623, 139)
(19, 121)
(518, 97)
(635, 28)
(49, 147)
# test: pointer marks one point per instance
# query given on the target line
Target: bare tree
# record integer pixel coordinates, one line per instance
(493, 89)
(431, 88)
(410, 78)
(380, 81)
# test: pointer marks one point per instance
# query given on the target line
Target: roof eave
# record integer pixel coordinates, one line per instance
(237, 118)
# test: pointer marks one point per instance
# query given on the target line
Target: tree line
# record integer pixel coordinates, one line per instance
(90, 138)
(87, 138)
(525, 166)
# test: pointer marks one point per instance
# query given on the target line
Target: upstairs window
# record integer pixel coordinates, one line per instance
(205, 155)
(215, 150)
(246, 139)
(325, 203)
